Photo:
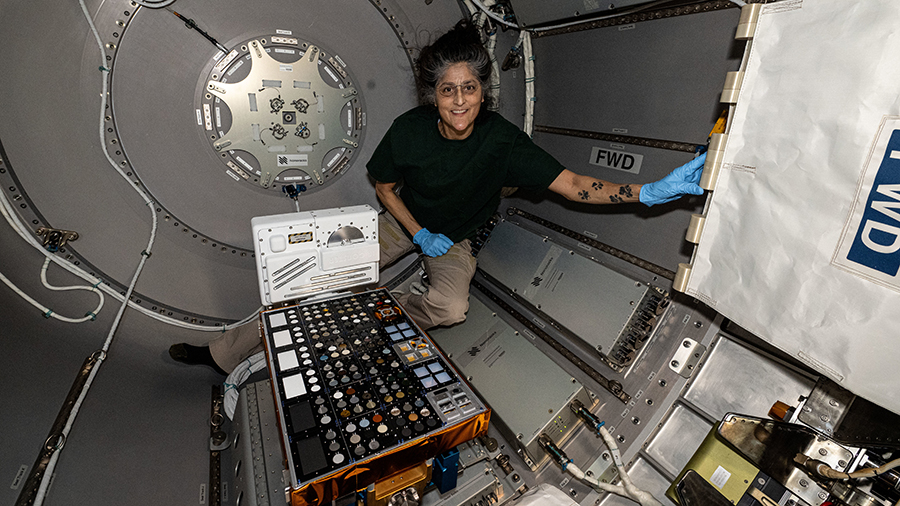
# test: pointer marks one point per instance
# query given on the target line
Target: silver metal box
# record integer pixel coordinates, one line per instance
(528, 393)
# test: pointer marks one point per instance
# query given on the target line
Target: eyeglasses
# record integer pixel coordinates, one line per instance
(449, 90)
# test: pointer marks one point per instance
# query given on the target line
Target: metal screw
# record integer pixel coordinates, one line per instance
(824, 418)
(804, 483)
(761, 481)
(589, 474)
(662, 383)
(675, 363)
(823, 496)
(686, 344)
(841, 463)
(605, 456)
(823, 452)
(516, 478)
(698, 324)
(833, 402)
(573, 493)
(635, 420)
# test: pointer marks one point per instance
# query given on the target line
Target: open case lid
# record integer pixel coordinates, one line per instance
(302, 254)
(800, 243)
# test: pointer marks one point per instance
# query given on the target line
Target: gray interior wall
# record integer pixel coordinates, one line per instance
(141, 437)
(657, 79)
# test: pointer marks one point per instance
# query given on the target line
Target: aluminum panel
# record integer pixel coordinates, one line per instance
(521, 384)
(678, 439)
(564, 285)
(657, 79)
(738, 379)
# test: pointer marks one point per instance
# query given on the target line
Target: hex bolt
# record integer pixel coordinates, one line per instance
(823, 496)
(833, 402)
(605, 457)
(824, 418)
(675, 363)
(842, 463)
(662, 383)
(804, 483)
(516, 478)
(686, 344)
(698, 324)
(823, 452)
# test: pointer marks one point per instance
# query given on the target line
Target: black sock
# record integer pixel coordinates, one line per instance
(194, 355)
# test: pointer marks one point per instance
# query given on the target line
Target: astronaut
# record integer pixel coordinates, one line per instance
(453, 157)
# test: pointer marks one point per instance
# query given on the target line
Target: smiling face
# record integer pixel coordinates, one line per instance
(458, 98)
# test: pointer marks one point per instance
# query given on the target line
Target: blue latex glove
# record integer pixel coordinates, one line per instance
(681, 181)
(433, 245)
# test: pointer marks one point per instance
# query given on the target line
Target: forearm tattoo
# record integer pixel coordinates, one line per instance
(626, 191)
(584, 195)
(597, 185)
(615, 199)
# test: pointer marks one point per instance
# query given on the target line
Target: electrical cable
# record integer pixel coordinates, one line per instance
(237, 378)
(496, 17)
(190, 23)
(154, 4)
(9, 213)
(49, 313)
(528, 55)
(89, 316)
(145, 254)
(826, 471)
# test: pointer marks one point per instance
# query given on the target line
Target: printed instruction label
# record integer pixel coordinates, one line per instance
(870, 243)
(19, 477)
(720, 477)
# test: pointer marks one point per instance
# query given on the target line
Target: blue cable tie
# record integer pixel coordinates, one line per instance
(229, 386)
(103, 69)
(534, 99)
(146, 253)
(98, 283)
(92, 314)
(48, 313)
(566, 464)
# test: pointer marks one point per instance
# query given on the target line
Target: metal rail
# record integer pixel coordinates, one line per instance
(628, 257)
(648, 15)
(686, 147)
(56, 440)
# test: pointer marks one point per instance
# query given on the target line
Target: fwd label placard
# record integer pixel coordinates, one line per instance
(870, 245)
(619, 160)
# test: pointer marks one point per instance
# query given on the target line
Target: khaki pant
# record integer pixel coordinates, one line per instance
(445, 302)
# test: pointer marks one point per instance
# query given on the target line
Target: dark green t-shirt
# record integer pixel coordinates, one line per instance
(453, 187)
